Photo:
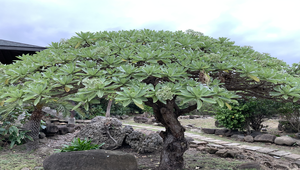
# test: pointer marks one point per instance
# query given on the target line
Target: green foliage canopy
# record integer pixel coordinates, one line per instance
(145, 65)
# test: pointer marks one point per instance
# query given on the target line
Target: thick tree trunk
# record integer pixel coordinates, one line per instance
(175, 143)
(108, 108)
(33, 125)
(172, 154)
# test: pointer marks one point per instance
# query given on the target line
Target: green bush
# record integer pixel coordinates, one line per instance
(258, 111)
(79, 145)
(247, 113)
(232, 119)
(11, 132)
(14, 135)
(290, 112)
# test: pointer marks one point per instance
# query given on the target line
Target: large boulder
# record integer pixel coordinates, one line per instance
(144, 141)
(90, 160)
(284, 140)
(104, 130)
(265, 138)
(151, 143)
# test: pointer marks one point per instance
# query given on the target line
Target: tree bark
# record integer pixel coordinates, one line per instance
(33, 125)
(107, 114)
(175, 143)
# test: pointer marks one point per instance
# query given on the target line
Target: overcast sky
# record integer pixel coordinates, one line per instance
(270, 26)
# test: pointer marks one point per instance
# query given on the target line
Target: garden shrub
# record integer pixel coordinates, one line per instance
(248, 113)
(79, 145)
(232, 119)
(10, 131)
(290, 112)
(259, 110)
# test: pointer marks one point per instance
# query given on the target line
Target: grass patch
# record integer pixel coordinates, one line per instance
(17, 161)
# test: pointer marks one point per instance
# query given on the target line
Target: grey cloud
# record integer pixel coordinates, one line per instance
(285, 49)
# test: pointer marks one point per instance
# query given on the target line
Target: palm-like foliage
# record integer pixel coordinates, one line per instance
(147, 67)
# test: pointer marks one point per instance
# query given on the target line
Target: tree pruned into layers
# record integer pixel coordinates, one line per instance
(147, 67)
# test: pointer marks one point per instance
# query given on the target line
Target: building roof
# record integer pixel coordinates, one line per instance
(10, 45)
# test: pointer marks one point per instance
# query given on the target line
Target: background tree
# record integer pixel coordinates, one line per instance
(145, 67)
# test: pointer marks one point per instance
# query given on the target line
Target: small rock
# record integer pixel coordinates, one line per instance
(211, 150)
(189, 139)
(158, 124)
(297, 163)
(62, 129)
(281, 167)
(96, 119)
(71, 129)
(232, 132)
(202, 149)
(193, 146)
(140, 119)
(44, 140)
(263, 129)
(222, 153)
(44, 151)
(254, 134)
(184, 117)
(70, 125)
(248, 138)
(208, 131)
(232, 153)
(221, 131)
(123, 117)
(218, 124)
(42, 135)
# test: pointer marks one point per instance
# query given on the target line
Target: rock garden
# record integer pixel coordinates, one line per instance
(145, 144)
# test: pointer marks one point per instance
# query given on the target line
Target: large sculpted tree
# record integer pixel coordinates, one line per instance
(146, 67)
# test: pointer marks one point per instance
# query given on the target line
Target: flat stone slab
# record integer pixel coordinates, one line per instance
(215, 145)
(87, 121)
(253, 148)
(243, 146)
(232, 144)
(221, 142)
(292, 156)
(266, 150)
(279, 153)
(213, 140)
(196, 142)
(207, 138)
(200, 137)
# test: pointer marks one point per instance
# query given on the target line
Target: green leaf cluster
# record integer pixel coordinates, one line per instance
(80, 145)
(15, 135)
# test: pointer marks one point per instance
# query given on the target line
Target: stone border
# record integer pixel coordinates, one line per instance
(200, 140)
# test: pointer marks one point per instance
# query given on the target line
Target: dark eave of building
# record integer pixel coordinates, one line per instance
(10, 45)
